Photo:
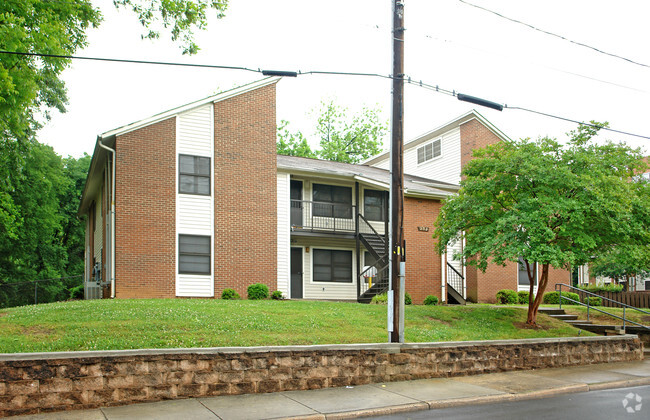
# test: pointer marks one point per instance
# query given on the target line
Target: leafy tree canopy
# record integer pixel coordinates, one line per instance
(547, 203)
(342, 137)
(622, 262)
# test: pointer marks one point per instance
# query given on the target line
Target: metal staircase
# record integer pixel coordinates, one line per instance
(374, 280)
(455, 284)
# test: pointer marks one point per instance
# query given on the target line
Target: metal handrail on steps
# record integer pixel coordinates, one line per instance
(589, 306)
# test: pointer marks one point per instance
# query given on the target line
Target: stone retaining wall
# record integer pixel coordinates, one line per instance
(42, 382)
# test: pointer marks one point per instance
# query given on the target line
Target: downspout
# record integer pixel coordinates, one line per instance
(112, 250)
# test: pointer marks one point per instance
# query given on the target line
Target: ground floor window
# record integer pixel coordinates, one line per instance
(194, 254)
(331, 265)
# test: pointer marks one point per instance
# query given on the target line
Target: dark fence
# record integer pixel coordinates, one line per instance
(39, 291)
(639, 299)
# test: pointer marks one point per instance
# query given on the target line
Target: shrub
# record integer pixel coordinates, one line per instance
(507, 296)
(229, 294)
(554, 298)
(277, 295)
(431, 300)
(381, 299)
(77, 292)
(257, 291)
(593, 300)
(523, 296)
(604, 288)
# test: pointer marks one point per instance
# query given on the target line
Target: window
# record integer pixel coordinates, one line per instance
(374, 205)
(332, 266)
(429, 151)
(332, 201)
(194, 254)
(194, 175)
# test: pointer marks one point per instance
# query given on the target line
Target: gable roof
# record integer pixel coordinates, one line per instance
(436, 132)
(100, 155)
(380, 178)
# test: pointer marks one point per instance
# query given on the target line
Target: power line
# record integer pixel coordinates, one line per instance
(556, 35)
(407, 79)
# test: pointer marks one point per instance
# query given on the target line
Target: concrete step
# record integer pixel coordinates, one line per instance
(565, 317)
(577, 321)
(551, 311)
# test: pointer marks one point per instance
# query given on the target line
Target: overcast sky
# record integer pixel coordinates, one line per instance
(448, 43)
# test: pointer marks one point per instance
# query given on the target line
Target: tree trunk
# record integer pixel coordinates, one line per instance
(533, 305)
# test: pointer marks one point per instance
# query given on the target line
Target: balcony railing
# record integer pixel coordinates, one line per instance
(316, 216)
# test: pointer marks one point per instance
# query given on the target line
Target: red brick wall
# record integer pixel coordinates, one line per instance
(474, 135)
(145, 212)
(245, 191)
(423, 263)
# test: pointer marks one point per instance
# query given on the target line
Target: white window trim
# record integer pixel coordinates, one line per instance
(433, 158)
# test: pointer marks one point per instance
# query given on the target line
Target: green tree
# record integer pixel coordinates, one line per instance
(623, 262)
(547, 203)
(342, 137)
(292, 144)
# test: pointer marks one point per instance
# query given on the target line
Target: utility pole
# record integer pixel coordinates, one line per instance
(397, 177)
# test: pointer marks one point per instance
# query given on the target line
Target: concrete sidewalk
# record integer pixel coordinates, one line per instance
(380, 399)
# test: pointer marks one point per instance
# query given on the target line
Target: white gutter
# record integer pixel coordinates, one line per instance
(112, 217)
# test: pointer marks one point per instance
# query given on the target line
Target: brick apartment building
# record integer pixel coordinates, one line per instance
(194, 200)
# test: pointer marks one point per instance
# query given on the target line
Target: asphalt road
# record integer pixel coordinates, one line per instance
(621, 403)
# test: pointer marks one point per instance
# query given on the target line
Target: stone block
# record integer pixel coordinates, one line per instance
(301, 372)
(90, 383)
(56, 385)
(194, 365)
(162, 366)
(191, 390)
(69, 371)
(232, 376)
(39, 371)
(269, 385)
(99, 397)
(221, 365)
(206, 377)
(340, 381)
(260, 363)
(316, 383)
(179, 377)
(10, 373)
(3, 388)
(294, 384)
(116, 382)
(22, 387)
(161, 392)
(237, 388)
(243, 363)
(220, 388)
(149, 379)
(91, 369)
(133, 394)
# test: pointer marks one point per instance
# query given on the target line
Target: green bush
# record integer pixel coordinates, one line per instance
(616, 288)
(431, 300)
(523, 296)
(382, 299)
(593, 300)
(553, 298)
(277, 295)
(229, 294)
(77, 292)
(507, 296)
(257, 291)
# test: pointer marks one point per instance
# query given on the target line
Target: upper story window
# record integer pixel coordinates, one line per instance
(429, 151)
(194, 175)
(374, 205)
(332, 201)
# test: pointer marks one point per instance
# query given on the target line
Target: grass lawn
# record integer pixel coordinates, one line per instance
(172, 323)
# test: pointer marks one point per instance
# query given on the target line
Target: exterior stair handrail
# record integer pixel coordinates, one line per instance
(558, 288)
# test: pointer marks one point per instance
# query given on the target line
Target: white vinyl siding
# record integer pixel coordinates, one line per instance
(195, 213)
(99, 232)
(445, 168)
(455, 248)
(323, 290)
(284, 233)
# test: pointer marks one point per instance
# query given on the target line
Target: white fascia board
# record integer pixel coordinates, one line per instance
(369, 181)
(425, 194)
(174, 111)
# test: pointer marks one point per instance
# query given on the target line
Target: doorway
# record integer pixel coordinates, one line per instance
(296, 273)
